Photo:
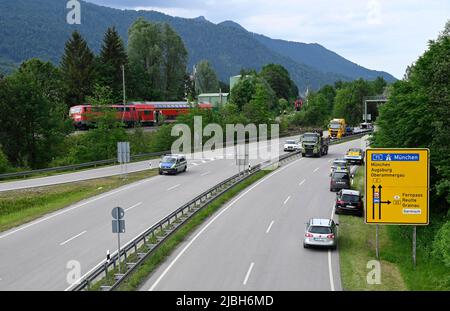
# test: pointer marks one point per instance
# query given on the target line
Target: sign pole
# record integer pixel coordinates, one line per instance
(118, 242)
(377, 249)
(414, 245)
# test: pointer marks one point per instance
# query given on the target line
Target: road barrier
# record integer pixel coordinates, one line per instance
(157, 234)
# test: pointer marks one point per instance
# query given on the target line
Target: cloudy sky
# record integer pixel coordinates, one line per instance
(377, 34)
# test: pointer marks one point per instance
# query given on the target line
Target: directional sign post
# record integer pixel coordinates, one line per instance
(397, 188)
(123, 155)
(118, 226)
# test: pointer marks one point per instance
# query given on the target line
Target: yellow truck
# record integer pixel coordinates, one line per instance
(337, 128)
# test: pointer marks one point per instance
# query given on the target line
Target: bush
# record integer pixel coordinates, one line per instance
(4, 164)
(441, 244)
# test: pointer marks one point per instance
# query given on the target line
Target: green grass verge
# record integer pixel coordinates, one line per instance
(153, 261)
(357, 248)
(21, 206)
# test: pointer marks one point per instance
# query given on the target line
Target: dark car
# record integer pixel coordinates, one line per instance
(340, 179)
(349, 201)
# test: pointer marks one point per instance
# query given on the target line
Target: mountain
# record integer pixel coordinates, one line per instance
(39, 29)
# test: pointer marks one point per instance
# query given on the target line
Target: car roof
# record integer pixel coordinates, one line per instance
(320, 222)
(341, 171)
(350, 192)
(355, 149)
(174, 155)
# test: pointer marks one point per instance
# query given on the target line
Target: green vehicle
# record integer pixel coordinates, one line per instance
(314, 144)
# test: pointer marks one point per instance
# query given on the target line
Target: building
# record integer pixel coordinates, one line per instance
(216, 99)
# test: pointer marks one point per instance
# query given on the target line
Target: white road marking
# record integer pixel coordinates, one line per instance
(330, 266)
(73, 238)
(195, 164)
(78, 206)
(248, 273)
(270, 226)
(303, 181)
(316, 169)
(329, 161)
(203, 161)
(174, 187)
(285, 201)
(204, 174)
(163, 274)
(135, 205)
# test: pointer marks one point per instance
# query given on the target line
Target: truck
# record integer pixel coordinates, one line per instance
(337, 128)
(314, 144)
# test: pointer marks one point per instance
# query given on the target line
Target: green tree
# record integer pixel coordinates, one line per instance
(78, 69)
(112, 57)
(257, 109)
(244, 91)
(349, 101)
(4, 164)
(279, 80)
(33, 114)
(206, 78)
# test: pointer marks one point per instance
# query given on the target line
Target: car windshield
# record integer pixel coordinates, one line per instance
(350, 198)
(319, 229)
(169, 160)
(354, 150)
(335, 126)
(290, 142)
(310, 138)
(340, 163)
(340, 175)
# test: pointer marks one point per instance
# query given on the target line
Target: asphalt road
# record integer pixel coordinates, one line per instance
(255, 242)
(102, 172)
(38, 255)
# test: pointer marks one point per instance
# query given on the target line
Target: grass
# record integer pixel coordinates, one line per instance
(357, 248)
(134, 281)
(21, 206)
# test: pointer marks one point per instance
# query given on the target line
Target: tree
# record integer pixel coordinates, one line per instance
(257, 110)
(243, 92)
(33, 114)
(112, 57)
(206, 78)
(349, 101)
(78, 68)
(279, 80)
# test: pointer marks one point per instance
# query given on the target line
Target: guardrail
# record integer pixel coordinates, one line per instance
(154, 236)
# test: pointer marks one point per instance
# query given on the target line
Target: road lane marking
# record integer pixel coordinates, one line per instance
(270, 226)
(174, 187)
(329, 161)
(203, 161)
(285, 201)
(172, 263)
(248, 273)
(303, 181)
(330, 266)
(135, 205)
(204, 174)
(316, 169)
(195, 164)
(73, 238)
(79, 205)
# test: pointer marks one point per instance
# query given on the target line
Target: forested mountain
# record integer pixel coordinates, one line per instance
(38, 28)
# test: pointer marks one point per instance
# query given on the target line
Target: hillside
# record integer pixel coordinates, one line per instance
(38, 29)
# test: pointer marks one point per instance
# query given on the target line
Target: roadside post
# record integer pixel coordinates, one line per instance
(123, 156)
(397, 188)
(118, 226)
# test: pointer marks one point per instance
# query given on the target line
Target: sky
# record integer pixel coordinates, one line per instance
(383, 35)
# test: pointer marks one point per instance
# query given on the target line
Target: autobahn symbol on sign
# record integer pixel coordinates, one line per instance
(397, 186)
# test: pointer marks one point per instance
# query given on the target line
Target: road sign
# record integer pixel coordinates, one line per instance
(118, 226)
(397, 186)
(117, 213)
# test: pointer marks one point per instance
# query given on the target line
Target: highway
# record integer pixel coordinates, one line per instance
(35, 256)
(255, 242)
(107, 171)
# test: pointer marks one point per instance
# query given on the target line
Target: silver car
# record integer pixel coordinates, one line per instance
(320, 233)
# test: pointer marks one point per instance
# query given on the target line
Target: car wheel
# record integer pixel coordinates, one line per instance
(303, 154)
(160, 172)
(334, 247)
(305, 245)
(185, 168)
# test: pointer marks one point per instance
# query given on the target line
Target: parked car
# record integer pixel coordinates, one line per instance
(172, 164)
(349, 201)
(320, 233)
(340, 179)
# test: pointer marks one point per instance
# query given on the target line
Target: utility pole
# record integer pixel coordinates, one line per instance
(123, 82)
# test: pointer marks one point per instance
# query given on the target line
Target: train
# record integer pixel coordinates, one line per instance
(132, 114)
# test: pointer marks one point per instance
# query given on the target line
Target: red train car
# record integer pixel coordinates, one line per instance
(145, 113)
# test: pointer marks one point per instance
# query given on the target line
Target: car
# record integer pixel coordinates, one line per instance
(292, 145)
(339, 164)
(320, 233)
(172, 164)
(349, 202)
(340, 179)
(355, 156)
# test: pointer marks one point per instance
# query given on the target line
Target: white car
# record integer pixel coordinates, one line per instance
(292, 145)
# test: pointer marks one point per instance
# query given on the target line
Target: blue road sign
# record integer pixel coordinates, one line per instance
(396, 157)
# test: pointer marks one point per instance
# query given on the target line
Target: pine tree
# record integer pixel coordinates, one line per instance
(78, 69)
(112, 57)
